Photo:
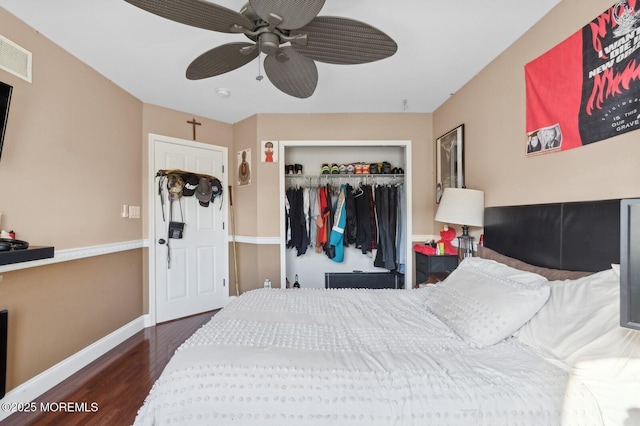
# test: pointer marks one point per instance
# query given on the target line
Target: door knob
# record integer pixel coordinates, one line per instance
(161, 241)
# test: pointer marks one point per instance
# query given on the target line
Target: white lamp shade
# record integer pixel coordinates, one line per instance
(461, 206)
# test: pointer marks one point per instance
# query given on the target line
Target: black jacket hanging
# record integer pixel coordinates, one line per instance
(297, 222)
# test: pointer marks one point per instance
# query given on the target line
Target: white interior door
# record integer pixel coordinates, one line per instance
(191, 273)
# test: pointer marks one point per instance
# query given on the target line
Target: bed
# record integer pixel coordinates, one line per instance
(499, 342)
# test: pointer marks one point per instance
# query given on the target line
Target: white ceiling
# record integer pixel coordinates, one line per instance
(441, 46)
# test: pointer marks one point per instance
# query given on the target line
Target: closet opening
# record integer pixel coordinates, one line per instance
(304, 181)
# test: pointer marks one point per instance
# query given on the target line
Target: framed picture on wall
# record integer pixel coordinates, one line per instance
(450, 161)
(244, 167)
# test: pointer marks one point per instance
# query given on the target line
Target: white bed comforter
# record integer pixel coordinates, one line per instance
(354, 357)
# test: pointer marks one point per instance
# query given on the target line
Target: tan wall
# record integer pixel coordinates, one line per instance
(246, 208)
(492, 107)
(256, 262)
(57, 310)
(71, 158)
(71, 153)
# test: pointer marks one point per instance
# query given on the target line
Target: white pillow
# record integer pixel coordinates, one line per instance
(581, 321)
(580, 325)
(616, 268)
(485, 302)
(501, 270)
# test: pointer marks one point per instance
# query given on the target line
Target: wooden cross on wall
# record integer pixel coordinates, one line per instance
(194, 123)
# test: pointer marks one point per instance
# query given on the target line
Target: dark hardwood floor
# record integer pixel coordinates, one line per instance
(115, 385)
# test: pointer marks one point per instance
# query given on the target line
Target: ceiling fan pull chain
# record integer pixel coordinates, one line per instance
(259, 77)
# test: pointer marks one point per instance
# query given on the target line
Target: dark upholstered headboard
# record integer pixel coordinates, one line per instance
(576, 236)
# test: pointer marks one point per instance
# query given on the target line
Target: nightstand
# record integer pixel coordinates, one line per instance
(438, 267)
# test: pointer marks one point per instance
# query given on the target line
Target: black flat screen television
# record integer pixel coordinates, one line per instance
(5, 100)
(630, 263)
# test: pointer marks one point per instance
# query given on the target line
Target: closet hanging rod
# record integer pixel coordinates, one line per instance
(307, 181)
(343, 175)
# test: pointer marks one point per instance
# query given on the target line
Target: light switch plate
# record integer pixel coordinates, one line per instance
(134, 212)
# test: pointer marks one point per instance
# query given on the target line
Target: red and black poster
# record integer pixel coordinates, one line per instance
(587, 88)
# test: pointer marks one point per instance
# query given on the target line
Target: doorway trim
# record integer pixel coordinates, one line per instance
(152, 194)
(406, 144)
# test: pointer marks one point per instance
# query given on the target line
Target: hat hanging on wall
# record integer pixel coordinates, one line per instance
(204, 191)
(190, 184)
(175, 184)
(216, 188)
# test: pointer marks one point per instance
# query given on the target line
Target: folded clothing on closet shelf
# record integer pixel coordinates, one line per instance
(383, 167)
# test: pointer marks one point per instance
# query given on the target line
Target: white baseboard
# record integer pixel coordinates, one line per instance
(46, 380)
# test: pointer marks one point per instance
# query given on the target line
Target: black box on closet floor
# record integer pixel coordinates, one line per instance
(359, 279)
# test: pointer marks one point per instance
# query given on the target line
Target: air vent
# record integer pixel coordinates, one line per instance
(15, 59)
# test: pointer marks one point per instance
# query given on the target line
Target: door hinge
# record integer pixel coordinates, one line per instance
(224, 282)
(222, 169)
(223, 226)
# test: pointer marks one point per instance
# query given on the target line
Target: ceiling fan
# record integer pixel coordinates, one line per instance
(289, 33)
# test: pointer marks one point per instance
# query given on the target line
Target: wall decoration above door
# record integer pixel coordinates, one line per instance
(450, 161)
(587, 88)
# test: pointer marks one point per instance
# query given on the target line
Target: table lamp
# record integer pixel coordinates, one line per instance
(462, 206)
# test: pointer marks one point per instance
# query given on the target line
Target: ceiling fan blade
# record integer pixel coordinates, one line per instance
(197, 13)
(221, 59)
(291, 14)
(296, 76)
(338, 40)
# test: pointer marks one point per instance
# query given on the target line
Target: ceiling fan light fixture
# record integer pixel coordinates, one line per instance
(223, 93)
(269, 43)
(289, 33)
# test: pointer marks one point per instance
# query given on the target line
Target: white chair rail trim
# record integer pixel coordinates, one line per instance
(66, 255)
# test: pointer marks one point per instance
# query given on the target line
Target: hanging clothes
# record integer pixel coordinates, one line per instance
(336, 240)
(365, 220)
(314, 212)
(351, 231)
(299, 236)
(321, 239)
(401, 249)
(327, 215)
(306, 213)
(386, 213)
(371, 217)
(287, 218)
